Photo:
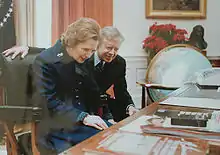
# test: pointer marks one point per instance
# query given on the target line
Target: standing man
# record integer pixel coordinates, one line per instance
(108, 70)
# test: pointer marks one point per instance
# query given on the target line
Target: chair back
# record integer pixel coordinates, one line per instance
(16, 79)
(17, 94)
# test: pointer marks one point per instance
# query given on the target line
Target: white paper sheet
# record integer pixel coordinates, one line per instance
(193, 102)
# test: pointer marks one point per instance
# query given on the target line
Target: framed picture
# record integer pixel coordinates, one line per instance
(176, 9)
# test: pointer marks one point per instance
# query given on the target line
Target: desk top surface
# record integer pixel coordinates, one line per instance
(187, 91)
(78, 149)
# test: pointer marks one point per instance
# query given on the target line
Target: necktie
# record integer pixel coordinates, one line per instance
(100, 66)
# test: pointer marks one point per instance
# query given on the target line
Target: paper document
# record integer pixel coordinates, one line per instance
(193, 102)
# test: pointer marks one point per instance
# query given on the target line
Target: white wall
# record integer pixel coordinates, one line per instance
(129, 17)
(43, 23)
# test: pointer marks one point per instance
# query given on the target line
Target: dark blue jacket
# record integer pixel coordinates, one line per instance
(65, 88)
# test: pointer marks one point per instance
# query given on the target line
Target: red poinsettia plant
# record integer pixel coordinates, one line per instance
(162, 36)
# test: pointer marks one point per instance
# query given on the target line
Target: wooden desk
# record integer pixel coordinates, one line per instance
(78, 148)
(146, 111)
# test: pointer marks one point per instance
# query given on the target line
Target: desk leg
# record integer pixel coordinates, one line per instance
(143, 97)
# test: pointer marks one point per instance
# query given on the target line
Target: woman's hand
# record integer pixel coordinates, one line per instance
(95, 121)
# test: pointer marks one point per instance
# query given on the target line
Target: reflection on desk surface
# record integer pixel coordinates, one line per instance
(190, 95)
(209, 76)
(185, 121)
(122, 143)
(193, 90)
(206, 121)
(193, 102)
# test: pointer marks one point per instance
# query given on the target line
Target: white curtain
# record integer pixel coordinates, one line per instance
(24, 21)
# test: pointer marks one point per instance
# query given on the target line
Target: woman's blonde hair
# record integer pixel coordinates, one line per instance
(81, 30)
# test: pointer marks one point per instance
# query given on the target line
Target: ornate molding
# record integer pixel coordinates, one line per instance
(136, 67)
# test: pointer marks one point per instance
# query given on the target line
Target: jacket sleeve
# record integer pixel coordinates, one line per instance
(62, 112)
(120, 88)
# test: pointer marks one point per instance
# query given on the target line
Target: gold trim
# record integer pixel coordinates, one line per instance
(150, 13)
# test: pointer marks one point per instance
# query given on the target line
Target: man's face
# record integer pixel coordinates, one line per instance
(84, 50)
(108, 50)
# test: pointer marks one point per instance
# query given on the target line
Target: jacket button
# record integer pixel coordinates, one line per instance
(76, 90)
(80, 83)
(77, 97)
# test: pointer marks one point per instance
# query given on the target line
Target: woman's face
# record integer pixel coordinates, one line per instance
(83, 51)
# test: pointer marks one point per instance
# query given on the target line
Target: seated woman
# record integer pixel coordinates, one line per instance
(65, 89)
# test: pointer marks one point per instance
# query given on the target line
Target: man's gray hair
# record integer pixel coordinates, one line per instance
(111, 33)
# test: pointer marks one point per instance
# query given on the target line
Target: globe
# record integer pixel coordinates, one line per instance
(172, 67)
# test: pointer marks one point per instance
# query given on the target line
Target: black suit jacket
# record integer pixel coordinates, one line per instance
(113, 74)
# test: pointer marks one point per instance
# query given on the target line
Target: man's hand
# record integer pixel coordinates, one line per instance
(132, 110)
(95, 121)
(15, 51)
(112, 121)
